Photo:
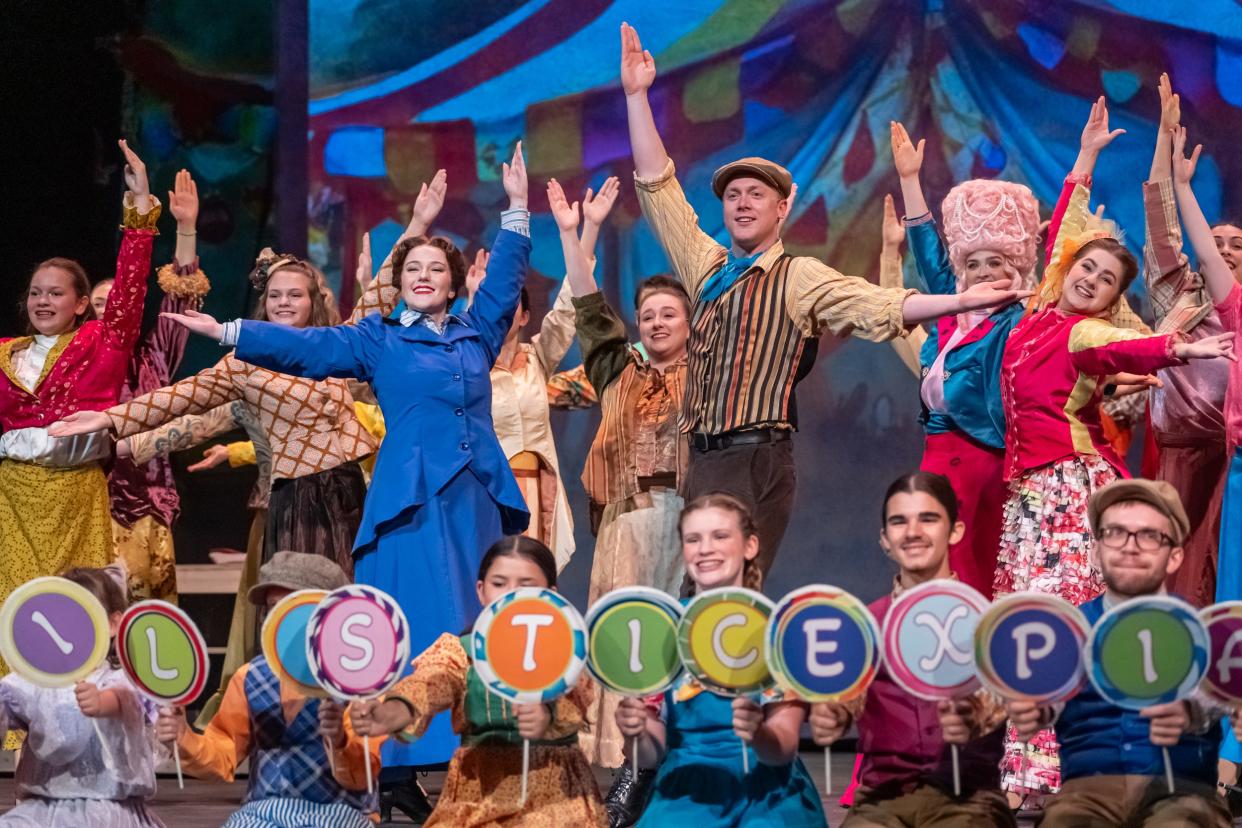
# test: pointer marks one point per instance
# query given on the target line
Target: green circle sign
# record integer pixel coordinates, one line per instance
(162, 652)
(1147, 651)
(632, 641)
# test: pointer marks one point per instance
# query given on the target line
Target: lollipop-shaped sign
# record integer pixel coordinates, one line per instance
(1223, 680)
(928, 644)
(1030, 646)
(823, 645)
(1148, 651)
(284, 640)
(632, 641)
(164, 655)
(53, 632)
(929, 638)
(720, 639)
(162, 652)
(357, 645)
(357, 642)
(529, 647)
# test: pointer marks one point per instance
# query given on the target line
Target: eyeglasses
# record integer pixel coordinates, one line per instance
(1148, 540)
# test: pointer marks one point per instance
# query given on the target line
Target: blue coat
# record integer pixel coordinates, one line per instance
(435, 392)
(972, 389)
(1098, 738)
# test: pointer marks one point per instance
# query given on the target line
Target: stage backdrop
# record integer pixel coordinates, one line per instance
(999, 88)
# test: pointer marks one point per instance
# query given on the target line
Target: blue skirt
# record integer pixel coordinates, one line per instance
(1229, 570)
(428, 560)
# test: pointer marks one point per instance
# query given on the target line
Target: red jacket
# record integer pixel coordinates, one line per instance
(85, 369)
(1052, 381)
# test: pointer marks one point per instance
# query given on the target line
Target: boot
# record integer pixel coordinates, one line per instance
(406, 796)
(628, 796)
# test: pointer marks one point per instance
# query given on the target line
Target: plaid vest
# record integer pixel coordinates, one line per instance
(744, 356)
(290, 761)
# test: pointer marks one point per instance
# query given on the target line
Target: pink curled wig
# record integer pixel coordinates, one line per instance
(983, 214)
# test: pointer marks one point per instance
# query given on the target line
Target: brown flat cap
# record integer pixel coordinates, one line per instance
(769, 172)
(1155, 493)
(296, 570)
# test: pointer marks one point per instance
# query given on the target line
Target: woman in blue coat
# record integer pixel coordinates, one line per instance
(442, 491)
(992, 229)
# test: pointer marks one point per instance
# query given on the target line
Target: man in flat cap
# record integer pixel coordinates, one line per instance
(1113, 760)
(756, 315)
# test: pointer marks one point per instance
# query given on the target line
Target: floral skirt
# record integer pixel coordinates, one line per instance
(146, 548)
(1046, 547)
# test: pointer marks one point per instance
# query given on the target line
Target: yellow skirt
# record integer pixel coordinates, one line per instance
(51, 520)
(146, 548)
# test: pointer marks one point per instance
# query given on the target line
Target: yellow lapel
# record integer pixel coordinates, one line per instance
(7, 349)
(6, 358)
(53, 356)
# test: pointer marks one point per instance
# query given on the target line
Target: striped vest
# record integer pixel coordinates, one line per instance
(744, 357)
(290, 761)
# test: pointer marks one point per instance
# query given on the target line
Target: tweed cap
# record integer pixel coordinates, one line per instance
(769, 172)
(296, 570)
(1155, 493)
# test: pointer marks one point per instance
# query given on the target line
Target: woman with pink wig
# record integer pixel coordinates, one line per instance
(991, 229)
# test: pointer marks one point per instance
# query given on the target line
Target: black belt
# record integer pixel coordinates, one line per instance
(715, 442)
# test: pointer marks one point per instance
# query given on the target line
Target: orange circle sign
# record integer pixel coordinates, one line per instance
(530, 644)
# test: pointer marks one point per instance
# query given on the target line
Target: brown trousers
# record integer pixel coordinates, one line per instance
(762, 476)
(1198, 473)
(929, 807)
(1135, 802)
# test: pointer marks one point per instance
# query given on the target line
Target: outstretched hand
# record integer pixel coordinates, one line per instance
(477, 272)
(1096, 134)
(183, 201)
(212, 456)
(1209, 347)
(994, 294)
(135, 171)
(80, 422)
(566, 214)
(514, 177)
(1183, 167)
(597, 206)
(638, 69)
(907, 158)
(364, 275)
(1170, 104)
(893, 231)
(429, 202)
(203, 324)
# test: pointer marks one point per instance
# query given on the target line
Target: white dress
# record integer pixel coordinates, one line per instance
(63, 777)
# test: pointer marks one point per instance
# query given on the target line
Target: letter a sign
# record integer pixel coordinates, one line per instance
(529, 646)
(1029, 646)
(1223, 680)
(721, 641)
(929, 639)
(823, 644)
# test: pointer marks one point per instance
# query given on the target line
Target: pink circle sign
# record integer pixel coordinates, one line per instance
(1223, 679)
(357, 642)
(929, 639)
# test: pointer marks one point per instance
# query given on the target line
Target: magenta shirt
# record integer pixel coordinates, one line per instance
(900, 742)
(1230, 312)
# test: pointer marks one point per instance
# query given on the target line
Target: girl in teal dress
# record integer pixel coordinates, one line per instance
(692, 734)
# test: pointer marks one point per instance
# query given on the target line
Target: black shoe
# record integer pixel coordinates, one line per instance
(628, 796)
(408, 797)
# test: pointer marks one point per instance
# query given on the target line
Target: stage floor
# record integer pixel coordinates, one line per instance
(208, 805)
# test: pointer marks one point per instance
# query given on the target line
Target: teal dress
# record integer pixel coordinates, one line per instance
(700, 784)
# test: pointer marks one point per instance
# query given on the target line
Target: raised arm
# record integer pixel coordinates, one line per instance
(184, 286)
(1073, 206)
(578, 263)
(1170, 119)
(1216, 274)
(1095, 137)
(122, 317)
(891, 276)
(638, 72)
(908, 159)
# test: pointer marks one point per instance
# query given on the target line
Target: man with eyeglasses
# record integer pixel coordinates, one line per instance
(1112, 767)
